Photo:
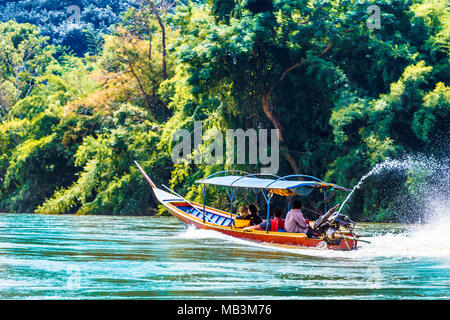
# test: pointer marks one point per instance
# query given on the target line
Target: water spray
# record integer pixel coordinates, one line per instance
(418, 164)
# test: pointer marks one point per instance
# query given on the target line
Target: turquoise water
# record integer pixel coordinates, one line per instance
(105, 257)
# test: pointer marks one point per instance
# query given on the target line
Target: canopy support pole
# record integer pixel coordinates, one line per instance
(267, 198)
(203, 188)
(325, 200)
(231, 194)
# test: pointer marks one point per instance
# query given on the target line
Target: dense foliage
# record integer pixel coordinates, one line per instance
(57, 19)
(343, 96)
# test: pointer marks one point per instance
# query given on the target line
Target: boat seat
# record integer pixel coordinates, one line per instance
(208, 216)
(215, 218)
(220, 220)
(185, 208)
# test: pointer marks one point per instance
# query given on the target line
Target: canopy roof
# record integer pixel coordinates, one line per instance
(280, 185)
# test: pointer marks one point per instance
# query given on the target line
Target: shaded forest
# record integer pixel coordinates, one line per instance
(79, 104)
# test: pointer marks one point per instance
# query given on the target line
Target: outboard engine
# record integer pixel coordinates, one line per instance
(338, 225)
(334, 225)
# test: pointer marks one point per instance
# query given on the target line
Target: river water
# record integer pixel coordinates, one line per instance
(107, 257)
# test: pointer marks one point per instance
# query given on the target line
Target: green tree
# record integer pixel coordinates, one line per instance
(24, 59)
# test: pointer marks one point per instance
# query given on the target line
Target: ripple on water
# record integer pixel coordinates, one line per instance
(53, 257)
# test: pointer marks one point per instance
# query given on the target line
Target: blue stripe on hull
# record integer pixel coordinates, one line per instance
(209, 217)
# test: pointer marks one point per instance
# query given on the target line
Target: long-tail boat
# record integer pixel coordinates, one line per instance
(332, 230)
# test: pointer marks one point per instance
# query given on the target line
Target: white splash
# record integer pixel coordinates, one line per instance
(192, 232)
(421, 240)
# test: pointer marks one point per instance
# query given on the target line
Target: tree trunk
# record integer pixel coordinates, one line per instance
(265, 100)
(149, 47)
(163, 38)
(163, 45)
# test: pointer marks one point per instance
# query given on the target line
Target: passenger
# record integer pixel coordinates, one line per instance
(243, 213)
(295, 222)
(276, 224)
(254, 216)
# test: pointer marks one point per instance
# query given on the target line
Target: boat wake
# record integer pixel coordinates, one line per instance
(422, 240)
(192, 233)
(431, 240)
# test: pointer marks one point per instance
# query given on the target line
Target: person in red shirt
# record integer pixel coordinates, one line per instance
(276, 223)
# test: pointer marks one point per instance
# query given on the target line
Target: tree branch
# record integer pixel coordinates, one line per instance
(294, 66)
(141, 87)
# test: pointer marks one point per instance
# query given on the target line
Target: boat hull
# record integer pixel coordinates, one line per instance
(282, 239)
